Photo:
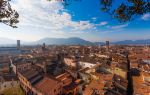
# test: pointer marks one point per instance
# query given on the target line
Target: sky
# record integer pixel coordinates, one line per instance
(51, 19)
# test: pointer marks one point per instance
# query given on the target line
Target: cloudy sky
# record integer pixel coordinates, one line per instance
(84, 19)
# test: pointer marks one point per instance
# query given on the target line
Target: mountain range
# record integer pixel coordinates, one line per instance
(69, 41)
(64, 41)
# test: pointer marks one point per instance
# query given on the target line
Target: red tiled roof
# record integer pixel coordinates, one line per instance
(47, 86)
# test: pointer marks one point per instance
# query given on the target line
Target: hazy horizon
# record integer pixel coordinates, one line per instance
(9, 41)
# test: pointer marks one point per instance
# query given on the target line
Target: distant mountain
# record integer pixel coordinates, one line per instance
(77, 41)
(147, 41)
(7, 41)
(68, 41)
(64, 41)
(10, 42)
(99, 43)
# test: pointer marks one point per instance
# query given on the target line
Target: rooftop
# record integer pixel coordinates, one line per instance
(47, 85)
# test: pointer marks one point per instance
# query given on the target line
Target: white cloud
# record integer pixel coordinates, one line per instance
(118, 26)
(102, 23)
(94, 18)
(49, 15)
(146, 17)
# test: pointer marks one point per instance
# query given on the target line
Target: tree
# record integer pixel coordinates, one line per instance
(8, 16)
(127, 9)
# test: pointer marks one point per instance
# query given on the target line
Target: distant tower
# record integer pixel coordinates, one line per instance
(18, 44)
(107, 45)
(43, 47)
(60, 58)
(77, 57)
